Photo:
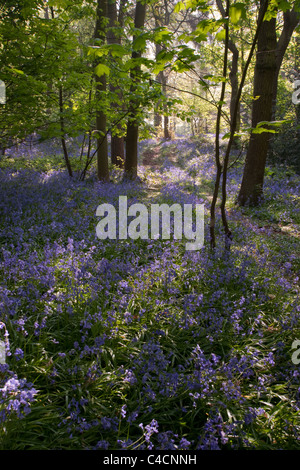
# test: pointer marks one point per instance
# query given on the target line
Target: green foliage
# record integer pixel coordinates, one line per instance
(285, 147)
(39, 56)
(102, 69)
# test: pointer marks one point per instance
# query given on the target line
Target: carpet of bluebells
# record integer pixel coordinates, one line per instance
(140, 344)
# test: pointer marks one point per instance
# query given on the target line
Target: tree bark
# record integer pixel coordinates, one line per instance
(132, 125)
(162, 18)
(62, 129)
(219, 165)
(167, 134)
(158, 78)
(101, 121)
(251, 190)
(233, 76)
(290, 21)
(117, 142)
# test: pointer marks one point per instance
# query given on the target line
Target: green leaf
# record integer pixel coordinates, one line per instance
(215, 78)
(117, 50)
(284, 5)
(158, 68)
(209, 25)
(58, 3)
(165, 56)
(220, 36)
(102, 69)
(179, 6)
(197, 5)
(97, 51)
(139, 43)
(132, 64)
(261, 130)
(236, 12)
(162, 58)
(20, 72)
(162, 35)
(187, 54)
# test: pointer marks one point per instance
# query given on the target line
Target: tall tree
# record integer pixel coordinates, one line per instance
(133, 123)
(290, 21)
(251, 189)
(222, 168)
(233, 74)
(270, 53)
(116, 20)
(158, 49)
(100, 78)
(161, 15)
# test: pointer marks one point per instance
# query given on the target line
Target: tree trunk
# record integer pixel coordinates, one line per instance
(251, 190)
(132, 125)
(46, 13)
(117, 151)
(167, 134)
(157, 118)
(233, 77)
(117, 142)
(162, 18)
(290, 21)
(217, 137)
(159, 76)
(62, 129)
(102, 148)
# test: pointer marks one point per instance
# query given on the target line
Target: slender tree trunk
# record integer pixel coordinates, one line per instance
(217, 142)
(117, 142)
(102, 152)
(157, 118)
(62, 129)
(167, 134)
(233, 76)
(223, 168)
(162, 18)
(251, 190)
(132, 125)
(46, 13)
(117, 151)
(160, 120)
(159, 76)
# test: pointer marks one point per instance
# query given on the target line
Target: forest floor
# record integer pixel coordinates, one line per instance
(153, 157)
(142, 344)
